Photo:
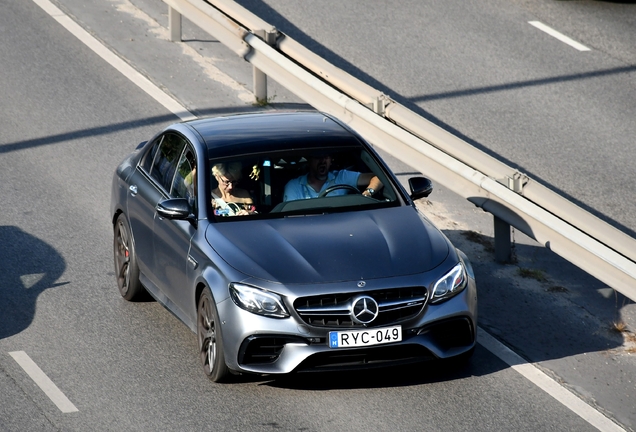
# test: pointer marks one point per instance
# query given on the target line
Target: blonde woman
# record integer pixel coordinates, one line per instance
(227, 199)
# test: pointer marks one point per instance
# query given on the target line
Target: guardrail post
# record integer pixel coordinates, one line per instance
(174, 24)
(503, 246)
(260, 85)
(259, 77)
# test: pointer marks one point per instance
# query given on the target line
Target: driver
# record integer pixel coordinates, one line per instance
(319, 178)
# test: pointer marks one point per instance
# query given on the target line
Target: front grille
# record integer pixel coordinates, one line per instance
(395, 305)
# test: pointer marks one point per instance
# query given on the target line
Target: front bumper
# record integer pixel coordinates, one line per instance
(261, 345)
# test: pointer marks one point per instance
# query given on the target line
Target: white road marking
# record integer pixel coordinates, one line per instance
(206, 63)
(115, 61)
(563, 38)
(43, 381)
(547, 384)
(529, 371)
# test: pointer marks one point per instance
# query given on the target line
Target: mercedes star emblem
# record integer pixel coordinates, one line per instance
(364, 309)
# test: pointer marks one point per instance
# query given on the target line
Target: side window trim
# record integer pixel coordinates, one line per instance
(165, 161)
(184, 184)
(176, 170)
(155, 146)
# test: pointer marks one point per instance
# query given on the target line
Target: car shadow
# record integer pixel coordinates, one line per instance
(541, 305)
(481, 364)
(28, 266)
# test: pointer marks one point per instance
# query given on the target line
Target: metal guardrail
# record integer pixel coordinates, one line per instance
(512, 197)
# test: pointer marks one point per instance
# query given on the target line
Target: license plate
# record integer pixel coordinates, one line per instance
(368, 337)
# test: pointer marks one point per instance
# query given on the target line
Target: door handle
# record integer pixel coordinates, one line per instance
(133, 190)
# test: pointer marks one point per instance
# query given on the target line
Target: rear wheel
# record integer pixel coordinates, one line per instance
(209, 340)
(126, 267)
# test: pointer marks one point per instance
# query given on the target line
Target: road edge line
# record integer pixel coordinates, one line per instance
(533, 374)
(115, 61)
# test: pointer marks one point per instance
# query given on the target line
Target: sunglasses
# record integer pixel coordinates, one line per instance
(227, 182)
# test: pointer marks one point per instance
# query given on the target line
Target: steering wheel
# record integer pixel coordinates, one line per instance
(336, 187)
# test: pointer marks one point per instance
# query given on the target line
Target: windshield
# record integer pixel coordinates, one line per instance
(310, 181)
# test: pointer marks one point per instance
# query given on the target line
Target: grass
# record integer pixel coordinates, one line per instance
(557, 288)
(535, 274)
(481, 239)
(619, 326)
(629, 338)
(264, 102)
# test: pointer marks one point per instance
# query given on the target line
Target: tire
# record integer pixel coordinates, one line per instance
(126, 268)
(209, 339)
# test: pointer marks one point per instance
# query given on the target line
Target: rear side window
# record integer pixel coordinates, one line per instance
(149, 157)
(165, 159)
(184, 184)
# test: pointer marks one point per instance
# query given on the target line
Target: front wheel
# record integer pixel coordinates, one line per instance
(209, 339)
(126, 268)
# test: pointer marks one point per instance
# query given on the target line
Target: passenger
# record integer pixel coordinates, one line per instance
(227, 199)
(319, 178)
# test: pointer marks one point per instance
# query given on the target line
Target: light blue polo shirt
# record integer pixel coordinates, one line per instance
(298, 188)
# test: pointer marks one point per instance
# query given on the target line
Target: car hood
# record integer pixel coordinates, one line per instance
(331, 247)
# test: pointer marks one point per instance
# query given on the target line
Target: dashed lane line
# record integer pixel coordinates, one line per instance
(555, 34)
(115, 61)
(44, 382)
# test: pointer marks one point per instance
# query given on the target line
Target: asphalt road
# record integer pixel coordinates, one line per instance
(479, 69)
(68, 118)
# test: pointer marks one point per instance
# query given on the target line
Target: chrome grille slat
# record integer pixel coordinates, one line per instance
(398, 307)
(395, 305)
(323, 310)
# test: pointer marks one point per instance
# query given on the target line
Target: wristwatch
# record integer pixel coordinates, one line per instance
(371, 191)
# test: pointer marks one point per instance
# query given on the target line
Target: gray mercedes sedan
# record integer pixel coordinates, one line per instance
(286, 244)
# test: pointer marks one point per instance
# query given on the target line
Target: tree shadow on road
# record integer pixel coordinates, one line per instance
(28, 267)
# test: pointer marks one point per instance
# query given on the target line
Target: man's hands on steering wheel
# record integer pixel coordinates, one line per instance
(339, 186)
(336, 187)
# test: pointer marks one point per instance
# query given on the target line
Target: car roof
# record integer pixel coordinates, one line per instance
(271, 131)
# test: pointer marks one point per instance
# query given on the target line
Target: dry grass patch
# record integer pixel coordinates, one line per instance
(557, 288)
(619, 326)
(535, 274)
(478, 238)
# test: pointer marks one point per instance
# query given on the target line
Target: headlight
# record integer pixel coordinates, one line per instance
(258, 301)
(450, 284)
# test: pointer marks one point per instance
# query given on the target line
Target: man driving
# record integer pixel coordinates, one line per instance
(319, 178)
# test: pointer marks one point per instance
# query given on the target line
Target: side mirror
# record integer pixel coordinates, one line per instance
(421, 187)
(175, 209)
